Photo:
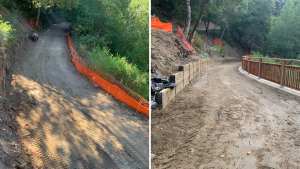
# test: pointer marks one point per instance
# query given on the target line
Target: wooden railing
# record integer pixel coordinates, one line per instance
(282, 74)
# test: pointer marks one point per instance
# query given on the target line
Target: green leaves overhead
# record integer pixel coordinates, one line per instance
(60, 3)
(283, 38)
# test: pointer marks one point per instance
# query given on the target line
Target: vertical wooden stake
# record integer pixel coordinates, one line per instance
(260, 60)
(138, 107)
(248, 65)
(282, 73)
(108, 90)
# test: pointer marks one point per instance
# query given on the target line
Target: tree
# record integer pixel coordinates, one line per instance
(226, 24)
(283, 38)
(188, 19)
(191, 39)
(48, 3)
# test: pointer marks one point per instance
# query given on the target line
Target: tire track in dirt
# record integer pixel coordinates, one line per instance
(68, 127)
(221, 116)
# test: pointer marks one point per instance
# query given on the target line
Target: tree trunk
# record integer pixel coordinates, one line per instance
(188, 19)
(191, 39)
(207, 27)
(223, 33)
(37, 18)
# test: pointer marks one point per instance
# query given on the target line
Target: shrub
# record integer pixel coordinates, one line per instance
(120, 68)
(6, 32)
(200, 45)
(215, 48)
(180, 24)
(224, 50)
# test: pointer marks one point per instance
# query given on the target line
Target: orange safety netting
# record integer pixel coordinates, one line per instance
(142, 106)
(32, 23)
(180, 35)
(157, 24)
(218, 42)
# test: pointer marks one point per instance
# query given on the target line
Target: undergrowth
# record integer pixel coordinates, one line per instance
(120, 68)
(260, 55)
(7, 32)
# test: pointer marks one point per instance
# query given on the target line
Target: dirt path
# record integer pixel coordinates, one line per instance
(220, 117)
(67, 124)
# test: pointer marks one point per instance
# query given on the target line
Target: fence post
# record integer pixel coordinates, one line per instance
(138, 106)
(282, 73)
(248, 65)
(259, 67)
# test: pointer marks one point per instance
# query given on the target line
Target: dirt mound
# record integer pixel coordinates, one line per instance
(168, 52)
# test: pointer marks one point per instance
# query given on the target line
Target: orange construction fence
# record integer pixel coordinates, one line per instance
(180, 35)
(114, 87)
(32, 23)
(218, 42)
(157, 24)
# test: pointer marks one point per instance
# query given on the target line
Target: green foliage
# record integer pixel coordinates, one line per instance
(69, 4)
(200, 45)
(283, 38)
(224, 50)
(120, 68)
(163, 20)
(121, 26)
(180, 24)
(260, 55)
(215, 48)
(7, 32)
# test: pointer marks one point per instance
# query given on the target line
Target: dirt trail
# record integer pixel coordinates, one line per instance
(220, 117)
(67, 124)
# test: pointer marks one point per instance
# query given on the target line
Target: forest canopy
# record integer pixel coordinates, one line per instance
(268, 26)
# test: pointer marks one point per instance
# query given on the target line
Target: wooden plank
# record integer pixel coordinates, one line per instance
(177, 78)
(186, 73)
(167, 96)
(191, 71)
(195, 69)
(198, 66)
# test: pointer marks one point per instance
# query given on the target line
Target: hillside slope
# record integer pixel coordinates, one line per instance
(166, 56)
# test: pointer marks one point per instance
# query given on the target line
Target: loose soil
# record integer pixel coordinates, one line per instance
(63, 124)
(166, 57)
(220, 117)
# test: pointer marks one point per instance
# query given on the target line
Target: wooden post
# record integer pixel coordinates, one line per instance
(248, 65)
(260, 60)
(282, 73)
(108, 90)
(138, 106)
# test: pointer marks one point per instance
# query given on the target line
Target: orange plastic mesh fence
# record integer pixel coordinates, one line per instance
(109, 83)
(32, 23)
(180, 35)
(157, 24)
(218, 42)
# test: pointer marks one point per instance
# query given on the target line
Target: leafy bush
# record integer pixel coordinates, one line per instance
(120, 68)
(163, 20)
(215, 48)
(180, 24)
(200, 45)
(6, 32)
(224, 50)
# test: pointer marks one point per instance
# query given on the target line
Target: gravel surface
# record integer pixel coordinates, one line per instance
(225, 119)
